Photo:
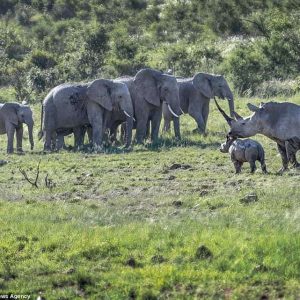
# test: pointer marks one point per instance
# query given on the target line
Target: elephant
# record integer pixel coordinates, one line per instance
(12, 117)
(79, 132)
(149, 89)
(195, 94)
(119, 118)
(71, 106)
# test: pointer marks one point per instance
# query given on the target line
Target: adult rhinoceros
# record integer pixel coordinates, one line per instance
(278, 121)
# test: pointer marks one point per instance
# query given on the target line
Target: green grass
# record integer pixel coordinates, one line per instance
(121, 225)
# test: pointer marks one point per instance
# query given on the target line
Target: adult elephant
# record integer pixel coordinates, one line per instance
(73, 106)
(12, 117)
(195, 94)
(149, 89)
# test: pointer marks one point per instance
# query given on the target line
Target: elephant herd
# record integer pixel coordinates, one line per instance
(99, 107)
(136, 102)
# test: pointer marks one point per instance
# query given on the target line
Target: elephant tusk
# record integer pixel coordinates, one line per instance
(172, 112)
(181, 111)
(128, 115)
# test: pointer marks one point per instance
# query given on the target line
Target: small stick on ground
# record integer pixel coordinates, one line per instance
(33, 183)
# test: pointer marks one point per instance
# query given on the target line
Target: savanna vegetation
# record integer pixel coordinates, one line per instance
(162, 221)
(158, 222)
(255, 44)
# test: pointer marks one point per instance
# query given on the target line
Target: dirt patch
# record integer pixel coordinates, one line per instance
(180, 166)
(249, 198)
(203, 252)
(177, 203)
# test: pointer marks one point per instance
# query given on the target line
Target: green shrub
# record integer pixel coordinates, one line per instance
(42, 59)
(275, 87)
(23, 14)
(246, 66)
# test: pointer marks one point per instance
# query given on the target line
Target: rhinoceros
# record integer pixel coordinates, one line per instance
(278, 121)
(245, 150)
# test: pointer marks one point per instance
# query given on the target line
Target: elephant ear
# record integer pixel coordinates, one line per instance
(201, 81)
(10, 111)
(99, 91)
(146, 84)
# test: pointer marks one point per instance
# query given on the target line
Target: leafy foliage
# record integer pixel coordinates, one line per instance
(249, 41)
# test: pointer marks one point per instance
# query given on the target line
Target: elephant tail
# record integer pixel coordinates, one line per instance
(41, 132)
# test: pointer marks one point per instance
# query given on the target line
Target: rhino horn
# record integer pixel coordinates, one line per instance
(237, 116)
(227, 118)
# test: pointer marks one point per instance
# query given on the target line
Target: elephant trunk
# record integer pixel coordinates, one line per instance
(30, 132)
(41, 132)
(128, 132)
(231, 104)
(173, 104)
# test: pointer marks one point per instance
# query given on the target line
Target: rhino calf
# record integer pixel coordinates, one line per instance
(246, 150)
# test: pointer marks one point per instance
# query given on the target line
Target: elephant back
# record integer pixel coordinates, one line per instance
(69, 95)
(70, 104)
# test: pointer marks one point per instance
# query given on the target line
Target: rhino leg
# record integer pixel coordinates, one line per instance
(292, 147)
(284, 157)
(252, 166)
(238, 166)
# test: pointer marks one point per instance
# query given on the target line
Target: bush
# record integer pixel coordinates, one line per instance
(24, 14)
(246, 66)
(42, 59)
(275, 87)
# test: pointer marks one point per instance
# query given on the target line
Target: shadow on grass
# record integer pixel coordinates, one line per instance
(169, 143)
(164, 143)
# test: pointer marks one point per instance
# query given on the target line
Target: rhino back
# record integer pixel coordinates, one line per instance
(281, 120)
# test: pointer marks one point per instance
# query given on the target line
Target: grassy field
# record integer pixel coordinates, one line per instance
(160, 222)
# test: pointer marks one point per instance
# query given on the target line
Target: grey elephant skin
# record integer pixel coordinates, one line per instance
(12, 117)
(195, 94)
(149, 89)
(116, 119)
(242, 151)
(73, 106)
(278, 121)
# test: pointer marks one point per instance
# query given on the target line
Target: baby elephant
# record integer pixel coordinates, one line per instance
(12, 117)
(246, 150)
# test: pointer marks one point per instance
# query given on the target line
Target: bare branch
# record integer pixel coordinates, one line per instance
(33, 183)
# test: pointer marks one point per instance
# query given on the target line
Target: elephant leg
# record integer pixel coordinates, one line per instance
(155, 124)
(19, 135)
(167, 126)
(284, 157)
(89, 131)
(49, 143)
(196, 115)
(141, 128)
(79, 133)
(10, 131)
(113, 132)
(176, 124)
(148, 130)
(60, 142)
(96, 119)
(205, 112)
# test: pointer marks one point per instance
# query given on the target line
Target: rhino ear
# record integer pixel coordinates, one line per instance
(252, 107)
